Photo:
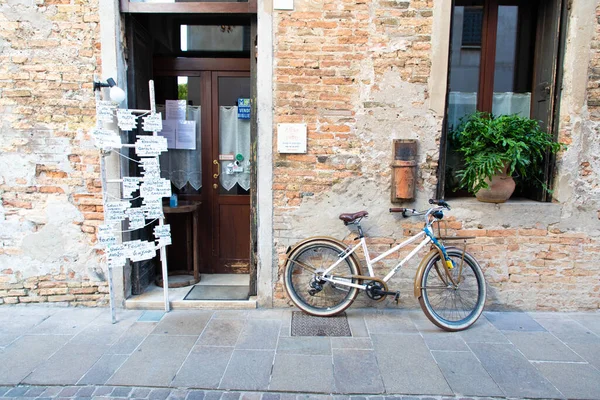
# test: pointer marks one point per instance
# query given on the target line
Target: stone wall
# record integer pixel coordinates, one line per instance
(49, 171)
(356, 73)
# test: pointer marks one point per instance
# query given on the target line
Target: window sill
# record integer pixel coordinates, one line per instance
(522, 213)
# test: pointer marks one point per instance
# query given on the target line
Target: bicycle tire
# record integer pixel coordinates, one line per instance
(332, 299)
(441, 301)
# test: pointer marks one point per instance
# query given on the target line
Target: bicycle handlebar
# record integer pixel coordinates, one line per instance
(405, 211)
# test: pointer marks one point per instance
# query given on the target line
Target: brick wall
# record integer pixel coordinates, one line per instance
(49, 172)
(356, 73)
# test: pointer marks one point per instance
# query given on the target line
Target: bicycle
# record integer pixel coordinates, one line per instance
(322, 275)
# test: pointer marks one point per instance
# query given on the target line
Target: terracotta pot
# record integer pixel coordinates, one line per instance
(499, 189)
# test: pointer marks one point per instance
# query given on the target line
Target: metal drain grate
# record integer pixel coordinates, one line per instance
(308, 325)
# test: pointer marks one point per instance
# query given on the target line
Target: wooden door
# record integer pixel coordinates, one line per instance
(230, 187)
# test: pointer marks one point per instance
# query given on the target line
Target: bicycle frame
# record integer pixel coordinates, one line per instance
(426, 234)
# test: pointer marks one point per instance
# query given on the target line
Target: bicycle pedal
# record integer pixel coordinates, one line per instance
(397, 297)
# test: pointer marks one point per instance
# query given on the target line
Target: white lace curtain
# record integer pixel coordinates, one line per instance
(234, 140)
(184, 166)
(503, 103)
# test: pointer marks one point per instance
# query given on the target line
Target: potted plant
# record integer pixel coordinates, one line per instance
(494, 148)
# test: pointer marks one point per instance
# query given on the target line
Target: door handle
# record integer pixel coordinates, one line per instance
(218, 169)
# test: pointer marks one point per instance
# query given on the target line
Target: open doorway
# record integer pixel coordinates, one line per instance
(203, 65)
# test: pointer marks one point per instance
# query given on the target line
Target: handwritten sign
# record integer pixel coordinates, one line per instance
(136, 217)
(151, 168)
(126, 120)
(139, 251)
(105, 110)
(114, 211)
(150, 146)
(152, 123)
(130, 185)
(291, 138)
(155, 188)
(105, 235)
(153, 208)
(163, 233)
(116, 256)
(106, 138)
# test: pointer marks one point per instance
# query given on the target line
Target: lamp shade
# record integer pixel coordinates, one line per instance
(117, 94)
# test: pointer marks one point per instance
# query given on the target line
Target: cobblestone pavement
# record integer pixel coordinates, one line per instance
(125, 392)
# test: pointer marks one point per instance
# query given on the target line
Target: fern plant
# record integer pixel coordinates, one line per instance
(490, 144)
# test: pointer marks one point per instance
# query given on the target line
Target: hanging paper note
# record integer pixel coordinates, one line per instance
(186, 135)
(169, 131)
(151, 168)
(153, 208)
(136, 218)
(243, 108)
(163, 233)
(130, 185)
(116, 256)
(106, 139)
(114, 211)
(155, 188)
(152, 123)
(126, 120)
(142, 251)
(150, 146)
(175, 110)
(105, 235)
(105, 110)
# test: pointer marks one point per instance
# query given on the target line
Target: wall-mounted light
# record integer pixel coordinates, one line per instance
(116, 93)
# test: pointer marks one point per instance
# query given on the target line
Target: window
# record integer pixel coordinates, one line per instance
(503, 60)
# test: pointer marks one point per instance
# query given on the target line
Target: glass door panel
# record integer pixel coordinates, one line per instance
(178, 98)
(234, 135)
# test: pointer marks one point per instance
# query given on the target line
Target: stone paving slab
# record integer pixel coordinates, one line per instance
(250, 355)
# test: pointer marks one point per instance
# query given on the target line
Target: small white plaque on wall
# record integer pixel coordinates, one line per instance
(283, 4)
(291, 138)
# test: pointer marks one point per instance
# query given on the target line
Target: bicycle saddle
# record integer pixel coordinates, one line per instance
(351, 217)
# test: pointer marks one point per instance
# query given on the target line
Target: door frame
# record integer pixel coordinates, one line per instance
(204, 68)
(216, 199)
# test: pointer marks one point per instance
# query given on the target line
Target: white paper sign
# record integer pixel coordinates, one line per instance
(104, 111)
(155, 188)
(151, 168)
(186, 135)
(106, 139)
(114, 211)
(163, 233)
(153, 208)
(105, 235)
(175, 109)
(169, 131)
(150, 146)
(152, 123)
(291, 138)
(130, 185)
(140, 251)
(116, 256)
(126, 120)
(136, 218)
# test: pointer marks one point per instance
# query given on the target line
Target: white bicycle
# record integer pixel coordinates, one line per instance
(322, 274)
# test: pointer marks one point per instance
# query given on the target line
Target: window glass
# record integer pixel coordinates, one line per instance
(215, 38)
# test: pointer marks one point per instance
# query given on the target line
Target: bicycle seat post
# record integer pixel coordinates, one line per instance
(360, 230)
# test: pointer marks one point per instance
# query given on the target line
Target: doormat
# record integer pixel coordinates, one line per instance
(210, 292)
(309, 325)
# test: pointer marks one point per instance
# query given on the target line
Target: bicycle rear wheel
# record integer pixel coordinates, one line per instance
(453, 302)
(307, 291)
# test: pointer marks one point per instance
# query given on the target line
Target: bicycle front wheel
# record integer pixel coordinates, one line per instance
(453, 299)
(303, 278)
